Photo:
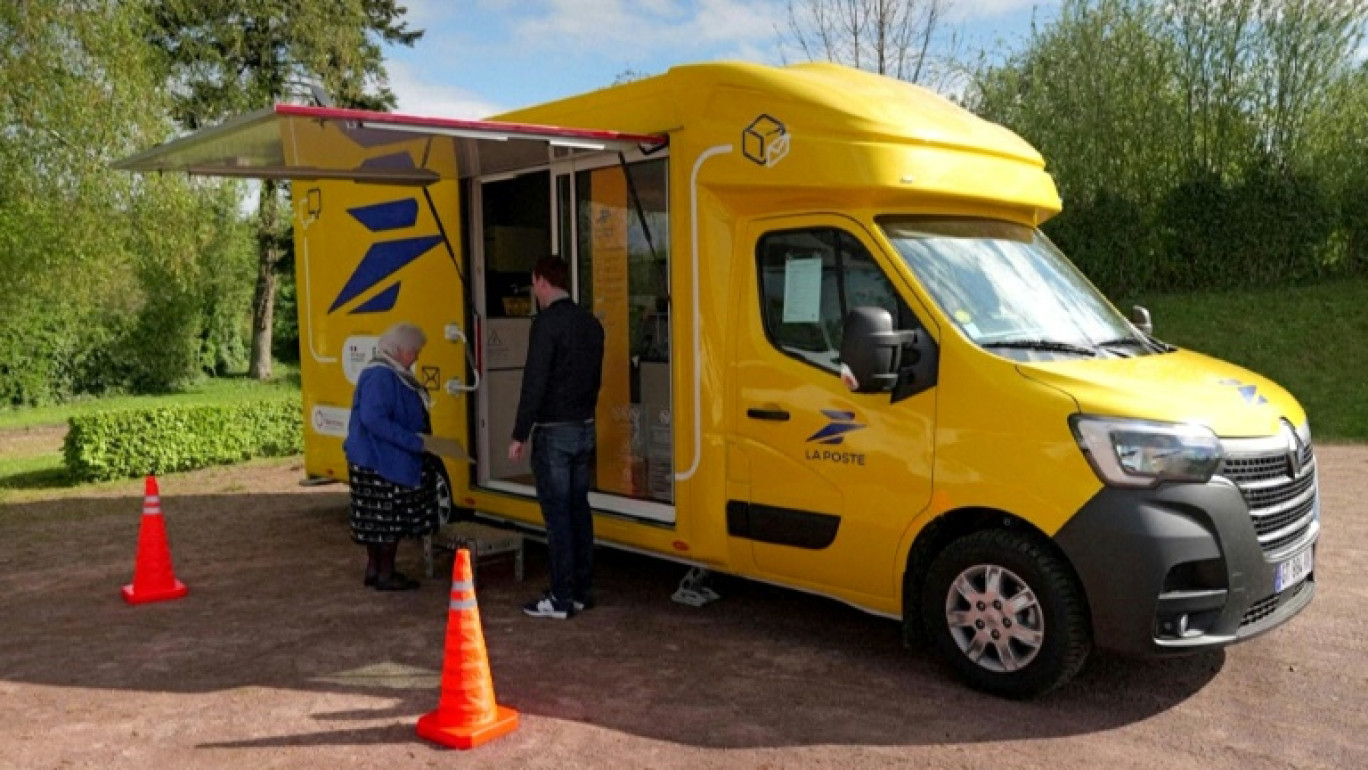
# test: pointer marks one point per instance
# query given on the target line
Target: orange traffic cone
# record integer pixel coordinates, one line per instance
(153, 580)
(466, 715)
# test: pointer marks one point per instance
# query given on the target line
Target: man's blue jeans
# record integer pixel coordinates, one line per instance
(561, 455)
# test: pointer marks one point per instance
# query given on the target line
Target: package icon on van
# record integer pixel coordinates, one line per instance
(765, 141)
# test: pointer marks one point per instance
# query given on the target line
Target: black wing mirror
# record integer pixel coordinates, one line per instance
(871, 350)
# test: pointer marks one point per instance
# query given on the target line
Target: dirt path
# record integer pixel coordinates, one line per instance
(279, 658)
(20, 442)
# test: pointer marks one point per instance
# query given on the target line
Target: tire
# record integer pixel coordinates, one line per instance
(1019, 651)
(446, 506)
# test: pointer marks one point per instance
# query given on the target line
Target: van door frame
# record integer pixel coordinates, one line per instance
(569, 165)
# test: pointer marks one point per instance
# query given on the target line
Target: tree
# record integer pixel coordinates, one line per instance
(1094, 92)
(1306, 48)
(224, 57)
(629, 75)
(91, 256)
(1214, 134)
(891, 37)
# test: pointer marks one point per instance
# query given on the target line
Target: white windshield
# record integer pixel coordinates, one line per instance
(1008, 289)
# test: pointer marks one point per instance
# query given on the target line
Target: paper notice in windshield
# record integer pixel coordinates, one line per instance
(803, 290)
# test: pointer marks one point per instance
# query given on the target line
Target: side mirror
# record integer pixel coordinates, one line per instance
(1141, 318)
(871, 350)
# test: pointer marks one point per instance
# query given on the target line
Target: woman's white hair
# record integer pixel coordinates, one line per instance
(400, 337)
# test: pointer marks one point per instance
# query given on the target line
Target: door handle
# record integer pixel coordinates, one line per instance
(777, 415)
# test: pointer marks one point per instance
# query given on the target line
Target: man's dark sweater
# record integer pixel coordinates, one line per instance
(564, 368)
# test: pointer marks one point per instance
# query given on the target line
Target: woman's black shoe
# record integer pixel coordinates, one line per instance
(396, 582)
(369, 581)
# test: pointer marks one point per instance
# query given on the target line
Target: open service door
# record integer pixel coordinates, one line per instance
(379, 239)
(607, 215)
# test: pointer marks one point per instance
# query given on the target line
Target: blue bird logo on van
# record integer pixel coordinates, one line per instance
(1250, 393)
(385, 257)
(834, 432)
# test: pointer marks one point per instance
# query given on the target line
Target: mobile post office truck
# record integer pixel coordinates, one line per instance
(840, 357)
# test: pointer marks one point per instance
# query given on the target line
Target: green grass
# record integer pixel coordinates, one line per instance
(23, 476)
(44, 471)
(218, 390)
(1312, 340)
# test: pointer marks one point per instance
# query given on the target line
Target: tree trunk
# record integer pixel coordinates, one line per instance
(263, 300)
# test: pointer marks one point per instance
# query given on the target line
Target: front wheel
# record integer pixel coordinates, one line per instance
(1006, 613)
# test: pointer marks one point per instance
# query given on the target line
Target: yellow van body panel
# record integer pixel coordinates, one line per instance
(1003, 444)
(835, 453)
(368, 256)
(1183, 386)
(849, 136)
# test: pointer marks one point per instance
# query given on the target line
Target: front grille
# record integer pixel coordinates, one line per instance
(1282, 504)
(1265, 607)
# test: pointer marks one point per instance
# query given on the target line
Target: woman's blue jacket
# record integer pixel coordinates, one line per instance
(382, 434)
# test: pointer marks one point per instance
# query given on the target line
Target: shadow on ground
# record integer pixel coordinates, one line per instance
(276, 602)
(37, 480)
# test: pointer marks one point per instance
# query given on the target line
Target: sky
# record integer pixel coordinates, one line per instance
(481, 57)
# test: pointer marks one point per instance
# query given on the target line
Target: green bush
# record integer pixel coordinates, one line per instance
(121, 444)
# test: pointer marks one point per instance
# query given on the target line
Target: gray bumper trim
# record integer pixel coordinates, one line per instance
(1124, 542)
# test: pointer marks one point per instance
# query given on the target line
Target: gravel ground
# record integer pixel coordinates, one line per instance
(279, 658)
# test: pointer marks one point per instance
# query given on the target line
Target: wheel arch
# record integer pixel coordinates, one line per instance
(951, 526)
(454, 512)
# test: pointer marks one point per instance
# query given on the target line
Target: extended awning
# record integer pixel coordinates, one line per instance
(290, 141)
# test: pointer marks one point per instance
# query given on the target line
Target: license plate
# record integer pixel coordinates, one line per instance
(1294, 570)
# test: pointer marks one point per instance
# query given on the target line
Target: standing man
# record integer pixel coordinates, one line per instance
(560, 391)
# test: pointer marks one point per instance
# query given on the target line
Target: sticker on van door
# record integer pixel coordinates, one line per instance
(384, 258)
(330, 420)
(357, 353)
(834, 432)
(765, 141)
(840, 423)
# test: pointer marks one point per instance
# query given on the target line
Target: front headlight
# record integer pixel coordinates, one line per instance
(1137, 453)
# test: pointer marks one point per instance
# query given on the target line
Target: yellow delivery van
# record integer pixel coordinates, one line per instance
(840, 357)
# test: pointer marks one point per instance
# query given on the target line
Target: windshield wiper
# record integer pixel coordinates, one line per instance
(1055, 345)
(1136, 342)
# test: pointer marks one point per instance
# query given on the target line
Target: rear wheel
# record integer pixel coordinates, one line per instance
(446, 508)
(1006, 613)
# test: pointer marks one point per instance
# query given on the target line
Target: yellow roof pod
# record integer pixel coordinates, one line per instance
(869, 138)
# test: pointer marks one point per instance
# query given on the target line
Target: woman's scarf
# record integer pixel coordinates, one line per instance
(405, 376)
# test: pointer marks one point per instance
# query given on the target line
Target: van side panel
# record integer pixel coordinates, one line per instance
(366, 257)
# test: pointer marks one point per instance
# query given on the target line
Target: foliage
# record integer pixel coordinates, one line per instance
(285, 337)
(1304, 338)
(217, 390)
(1196, 145)
(109, 445)
(224, 57)
(89, 254)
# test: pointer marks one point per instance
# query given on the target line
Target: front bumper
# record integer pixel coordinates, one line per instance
(1178, 568)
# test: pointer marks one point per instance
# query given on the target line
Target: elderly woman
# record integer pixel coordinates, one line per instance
(392, 480)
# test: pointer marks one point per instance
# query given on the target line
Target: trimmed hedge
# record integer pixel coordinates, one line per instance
(121, 444)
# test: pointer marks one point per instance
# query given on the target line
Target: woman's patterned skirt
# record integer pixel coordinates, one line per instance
(385, 512)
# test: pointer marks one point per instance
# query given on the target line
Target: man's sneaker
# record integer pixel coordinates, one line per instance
(545, 607)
